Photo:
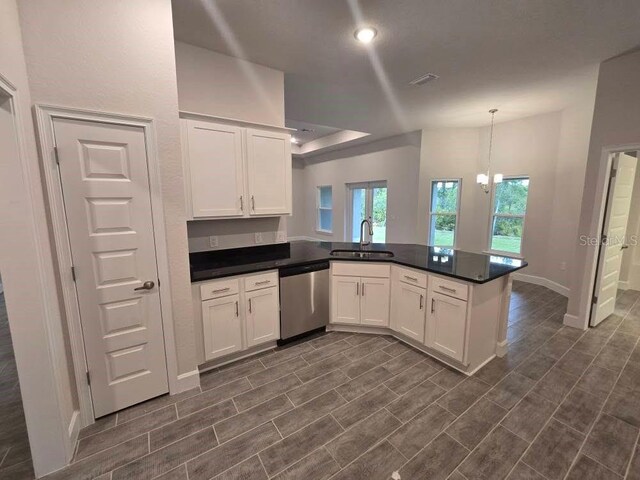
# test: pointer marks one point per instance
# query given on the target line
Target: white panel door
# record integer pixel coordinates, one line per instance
(215, 169)
(222, 326)
(374, 306)
(105, 185)
(263, 316)
(615, 228)
(446, 325)
(269, 172)
(408, 310)
(345, 299)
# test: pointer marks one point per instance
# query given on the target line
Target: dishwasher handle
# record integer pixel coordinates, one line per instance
(302, 269)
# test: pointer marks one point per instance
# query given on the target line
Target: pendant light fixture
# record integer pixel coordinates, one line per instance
(483, 178)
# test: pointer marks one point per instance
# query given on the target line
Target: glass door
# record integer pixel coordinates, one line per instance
(367, 201)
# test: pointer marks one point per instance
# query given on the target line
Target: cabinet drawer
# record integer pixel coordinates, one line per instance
(361, 269)
(219, 288)
(411, 277)
(448, 287)
(262, 280)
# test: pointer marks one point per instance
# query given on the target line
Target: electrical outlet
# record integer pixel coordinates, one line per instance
(258, 237)
(213, 241)
(281, 237)
(563, 266)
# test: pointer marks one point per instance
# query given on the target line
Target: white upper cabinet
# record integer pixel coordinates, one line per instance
(268, 172)
(215, 169)
(232, 171)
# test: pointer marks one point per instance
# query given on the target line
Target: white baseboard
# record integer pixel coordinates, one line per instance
(188, 381)
(623, 285)
(544, 282)
(574, 321)
(501, 348)
(74, 432)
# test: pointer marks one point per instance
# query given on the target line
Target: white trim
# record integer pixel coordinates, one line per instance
(587, 282)
(573, 321)
(502, 348)
(622, 285)
(187, 381)
(235, 121)
(74, 431)
(431, 213)
(45, 115)
(545, 282)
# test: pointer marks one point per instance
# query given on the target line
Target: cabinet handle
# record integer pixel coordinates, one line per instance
(363, 289)
(421, 301)
(249, 305)
(263, 282)
(220, 290)
(241, 204)
(357, 289)
(447, 289)
(413, 279)
(237, 309)
(433, 305)
(253, 203)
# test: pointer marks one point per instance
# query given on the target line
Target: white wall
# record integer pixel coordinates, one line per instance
(395, 160)
(118, 56)
(37, 325)
(630, 272)
(215, 84)
(616, 123)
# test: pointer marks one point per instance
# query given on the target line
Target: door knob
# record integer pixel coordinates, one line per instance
(148, 285)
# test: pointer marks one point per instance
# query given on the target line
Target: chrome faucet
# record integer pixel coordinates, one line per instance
(362, 242)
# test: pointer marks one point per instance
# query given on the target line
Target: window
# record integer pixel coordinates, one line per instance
(508, 212)
(324, 202)
(367, 200)
(443, 213)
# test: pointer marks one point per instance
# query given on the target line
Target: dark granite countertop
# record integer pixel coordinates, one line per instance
(467, 266)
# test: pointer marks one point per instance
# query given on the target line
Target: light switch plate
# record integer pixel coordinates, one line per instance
(281, 237)
(213, 241)
(258, 237)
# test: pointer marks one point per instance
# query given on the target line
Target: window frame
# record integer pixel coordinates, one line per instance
(432, 213)
(368, 186)
(319, 208)
(492, 216)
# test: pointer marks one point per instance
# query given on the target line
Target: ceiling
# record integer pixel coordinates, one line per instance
(307, 132)
(523, 57)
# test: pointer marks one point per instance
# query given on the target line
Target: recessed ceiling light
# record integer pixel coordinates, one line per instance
(294, 140)
(365, 35)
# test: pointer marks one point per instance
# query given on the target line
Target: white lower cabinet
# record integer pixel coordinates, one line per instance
(222, 326)
(374, 301)
(408, 313)
(345, 299)
(262, 314)
(446, 325)
(239, 313)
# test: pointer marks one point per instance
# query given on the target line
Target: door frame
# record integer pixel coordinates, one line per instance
(368, 186)
(45, 116)
(586, 287)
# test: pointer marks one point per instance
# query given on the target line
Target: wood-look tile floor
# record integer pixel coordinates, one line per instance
(561, 404)
(15, 454)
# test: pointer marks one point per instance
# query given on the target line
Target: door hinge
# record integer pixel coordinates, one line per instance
(73, 273)
(158, 283)
(88, 378)
(55, 153)
(594, 300)
(614, 172)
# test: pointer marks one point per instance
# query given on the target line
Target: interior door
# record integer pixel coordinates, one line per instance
(269, 172)
(374, 307)
(215, 169)
(105, 185)
(615, 229)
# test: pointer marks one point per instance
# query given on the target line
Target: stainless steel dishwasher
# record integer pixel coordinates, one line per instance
(304, 299)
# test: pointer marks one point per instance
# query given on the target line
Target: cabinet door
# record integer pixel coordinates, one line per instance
(446, 325)
(222, 326)
(215, 169)
(269, 172)
(345, 299)
(374, 298)
(409, 310)
(263, 316)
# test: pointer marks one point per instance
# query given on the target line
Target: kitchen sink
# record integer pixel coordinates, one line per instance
(361, 254)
